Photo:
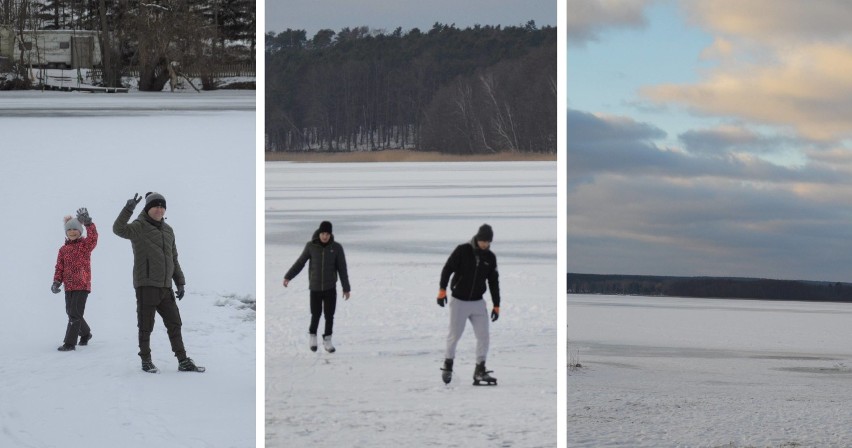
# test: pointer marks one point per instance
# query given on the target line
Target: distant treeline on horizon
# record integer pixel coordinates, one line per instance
(709, 287)
(478, 90)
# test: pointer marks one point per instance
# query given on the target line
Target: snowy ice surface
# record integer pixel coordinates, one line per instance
(34, 103)
(675, 372)
(71, 150)
(398, 223)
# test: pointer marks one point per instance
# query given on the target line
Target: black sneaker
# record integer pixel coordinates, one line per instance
(148, 366)
(188, 365)
(84, 340)
(66, 348)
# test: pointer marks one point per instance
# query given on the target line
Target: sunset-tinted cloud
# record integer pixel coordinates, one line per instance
(711, 138)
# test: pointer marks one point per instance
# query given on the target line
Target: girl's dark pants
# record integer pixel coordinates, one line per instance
(151, 300)
(75, 306)
(323, 301)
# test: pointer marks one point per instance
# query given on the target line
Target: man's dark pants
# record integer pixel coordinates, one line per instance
(323, 301)
(151, 300)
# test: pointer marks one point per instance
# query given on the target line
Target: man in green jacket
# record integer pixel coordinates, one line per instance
(327, 261)
(155, 266)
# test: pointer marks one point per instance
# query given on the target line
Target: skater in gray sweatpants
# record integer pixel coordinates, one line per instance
(471, 265)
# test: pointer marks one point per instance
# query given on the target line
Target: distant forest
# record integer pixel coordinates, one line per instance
(709, 287)
(484, 89)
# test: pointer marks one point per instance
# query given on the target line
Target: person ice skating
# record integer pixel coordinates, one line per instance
(155, 267)
(471, 265)
(74, 269)
(327, 261)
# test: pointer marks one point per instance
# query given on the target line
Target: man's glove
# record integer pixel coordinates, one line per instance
(442, 297)
(83, 216)
(180, 292)
(495, 313)
(131, 203)
(54, 288)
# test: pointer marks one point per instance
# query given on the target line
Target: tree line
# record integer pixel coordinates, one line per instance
(709, 287)
(481, 89)
(149, 34)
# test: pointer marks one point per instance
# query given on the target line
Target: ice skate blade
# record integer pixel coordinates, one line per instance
(484, 383)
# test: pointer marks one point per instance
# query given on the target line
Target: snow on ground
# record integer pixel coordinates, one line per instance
(82, 78)
(674, 372)
(80, 150)
(398, 223)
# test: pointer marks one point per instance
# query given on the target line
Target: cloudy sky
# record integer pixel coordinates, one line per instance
(314, 15)
(710, 137)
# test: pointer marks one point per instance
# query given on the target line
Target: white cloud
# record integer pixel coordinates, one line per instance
(588, 18)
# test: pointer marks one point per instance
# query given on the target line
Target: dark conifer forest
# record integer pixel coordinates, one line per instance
(478, 90)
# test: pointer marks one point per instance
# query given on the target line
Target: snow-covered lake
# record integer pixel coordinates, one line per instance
(398, 223)
(62, 151)
(675, 372)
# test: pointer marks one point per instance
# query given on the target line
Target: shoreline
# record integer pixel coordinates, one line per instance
(400, 155)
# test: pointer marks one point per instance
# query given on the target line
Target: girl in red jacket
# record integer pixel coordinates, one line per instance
(74, 269)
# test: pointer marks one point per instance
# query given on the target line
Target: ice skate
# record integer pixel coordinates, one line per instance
(66, 348)
(84, 340)
(313, 342)
(447, 371)
(326, 342)
(480, 375)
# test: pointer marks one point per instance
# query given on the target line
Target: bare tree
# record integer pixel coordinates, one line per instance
(166, 33)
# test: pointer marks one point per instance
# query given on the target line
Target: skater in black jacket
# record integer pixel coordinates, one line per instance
(471, 265)
(327, 260)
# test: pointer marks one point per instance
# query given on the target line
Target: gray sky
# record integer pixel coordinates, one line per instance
(313, 15)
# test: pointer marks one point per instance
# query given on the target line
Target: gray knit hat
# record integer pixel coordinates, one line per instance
(73, 224)
(153, 199)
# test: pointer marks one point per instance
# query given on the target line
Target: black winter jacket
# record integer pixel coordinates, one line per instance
(470, 267)
(327, 261)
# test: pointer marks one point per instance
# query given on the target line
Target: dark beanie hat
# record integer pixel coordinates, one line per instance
(485, 233)
(153, 199)
(325, 226)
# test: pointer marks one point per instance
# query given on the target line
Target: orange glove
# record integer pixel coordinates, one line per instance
(442, 297)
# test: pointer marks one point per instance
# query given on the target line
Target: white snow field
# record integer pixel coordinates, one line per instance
(398, 223)
(675, 372)
(62, 151)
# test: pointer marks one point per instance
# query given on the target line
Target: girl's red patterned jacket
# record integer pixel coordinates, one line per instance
(74, 263)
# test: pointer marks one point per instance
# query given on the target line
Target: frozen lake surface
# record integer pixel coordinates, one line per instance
(55, 160)
(34, 103)
(398, 223)
(675, 372)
